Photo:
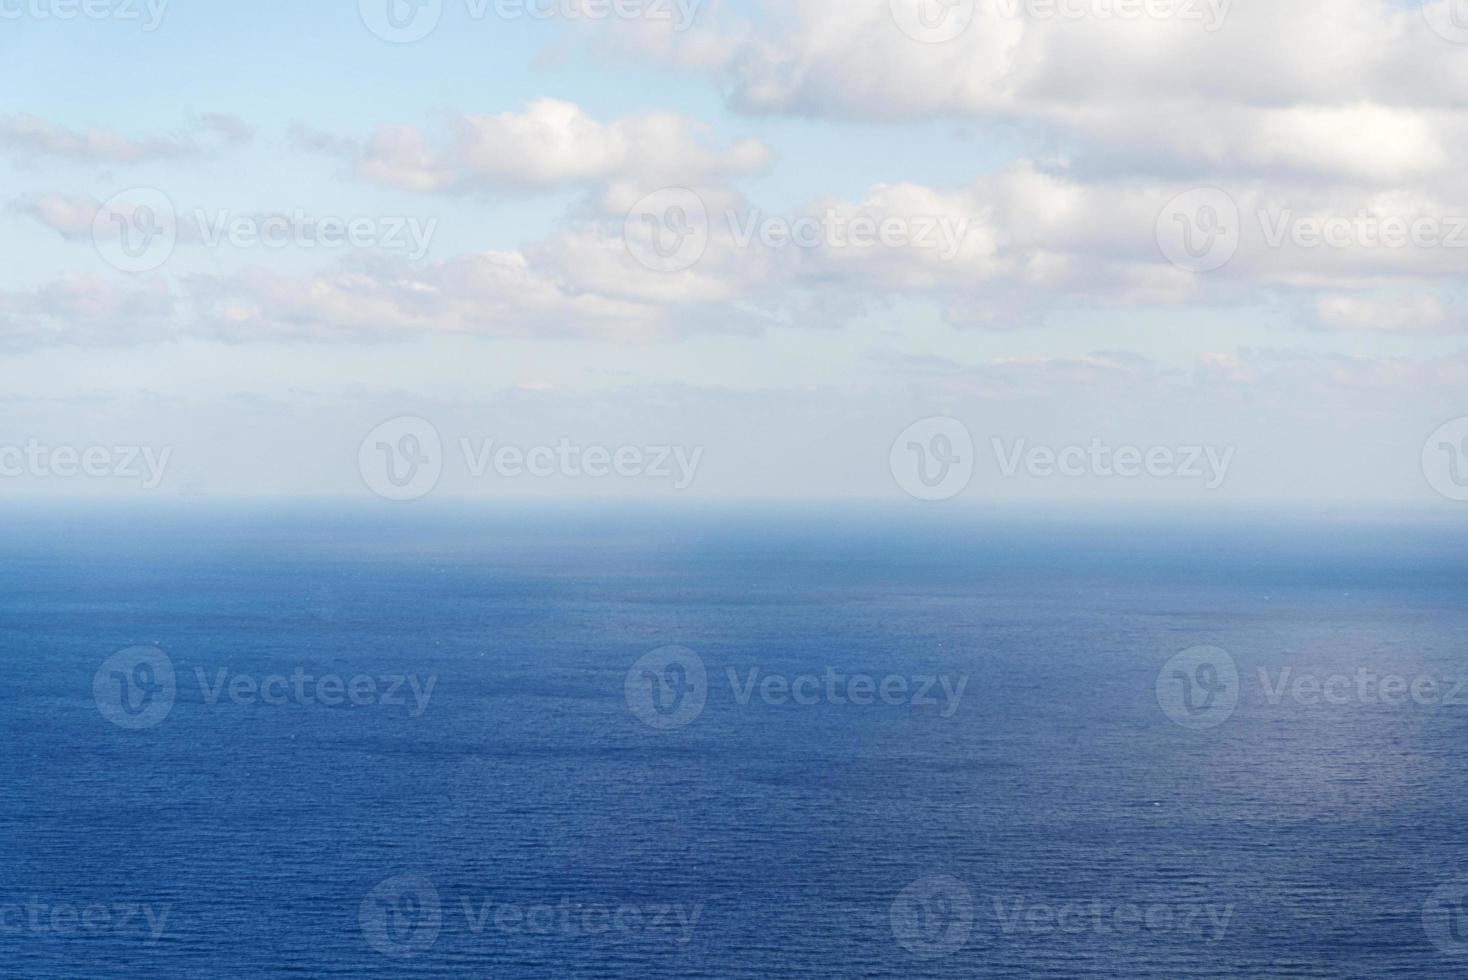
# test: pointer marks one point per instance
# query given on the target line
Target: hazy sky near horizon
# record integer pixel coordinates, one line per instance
(251, 234)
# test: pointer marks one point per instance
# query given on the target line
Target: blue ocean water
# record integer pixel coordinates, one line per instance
(512, 795)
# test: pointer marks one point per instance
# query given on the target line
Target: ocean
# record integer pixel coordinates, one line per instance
(731, 743)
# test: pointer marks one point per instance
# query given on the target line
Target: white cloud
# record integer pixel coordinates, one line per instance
(1338, 88)
(550, 144)
(70, 216)
(1364, 123)
(1402, 314)
(494, 294)
(31, 137)
(1005, 250)
(83, 309)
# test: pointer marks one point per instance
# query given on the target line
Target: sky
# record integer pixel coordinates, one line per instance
(941, 252)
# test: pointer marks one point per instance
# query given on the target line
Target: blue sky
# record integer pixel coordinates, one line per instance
(524, 145)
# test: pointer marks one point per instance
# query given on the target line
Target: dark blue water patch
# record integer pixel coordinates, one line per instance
(767, 838)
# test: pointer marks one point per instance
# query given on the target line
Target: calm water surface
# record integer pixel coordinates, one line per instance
(480, 795)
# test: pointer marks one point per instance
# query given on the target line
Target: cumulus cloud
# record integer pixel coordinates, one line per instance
(30, 137)
(1402, 314)
(70, 216)
(1316, 152)
(1228, 87)
(84, 309)
(1005, 250)
(494, 294)
(550, 144)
